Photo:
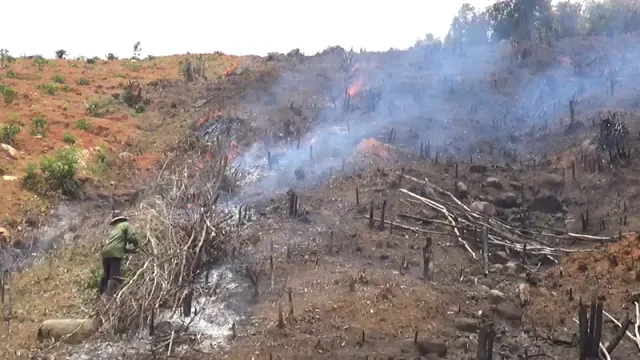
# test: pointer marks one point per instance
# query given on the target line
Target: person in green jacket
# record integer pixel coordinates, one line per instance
(113, 252)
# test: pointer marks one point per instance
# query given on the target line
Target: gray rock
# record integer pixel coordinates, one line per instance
(461, 189)
(546, 203)
(506, 200)
(485, 281)
(563, 337)
(493, 182)
(496, 297)
(495, 268)
(432, 356)
(467, 324)
(482, 207)
(510, 268)
(461, 343)
(483, 289)
(509, 311)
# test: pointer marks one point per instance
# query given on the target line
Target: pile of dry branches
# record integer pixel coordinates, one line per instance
(472, 230)
(182, 232)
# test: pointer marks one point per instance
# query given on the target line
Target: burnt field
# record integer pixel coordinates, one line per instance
(430, 203)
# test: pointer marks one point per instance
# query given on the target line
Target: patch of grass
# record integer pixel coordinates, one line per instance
(40, 61)
(121, 75)
(83, 125)
(39, 126)
(69, 138)
(34, 205)
(59, 79)
(10, 131)
(132, 65)
(9, 94)
(83, 81)
(50, 88)
(11, 74)
(99, 108)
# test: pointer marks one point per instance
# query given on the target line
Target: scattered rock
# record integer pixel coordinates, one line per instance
(546, 203)
(432, 356)
(10, 151)
(461, 189)
(485, 281)
(9, 178)
(493, 182)
(506, 200)
(510, 268)
(515, 185)
(563, 337)
(467, 324)
(509, 311)
(496, 297)
(495, 268)
(478, 169)
(482, 207)
(461, 343)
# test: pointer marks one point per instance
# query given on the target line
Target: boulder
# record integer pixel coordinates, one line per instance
(546, 203)
(493, 182)
(72, 331)
(483, 207)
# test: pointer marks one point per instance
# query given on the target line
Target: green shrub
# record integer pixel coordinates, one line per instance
(69, 138)
(40, 61)
(83, 81)
(111, 57)
(31, 178)
(99, 108)
(9, 94)
(57, 78)
(10, 131)
(39, 126)
(51, 88)
(92, 61)
(11, 74)
(59, 170)
(83, 125)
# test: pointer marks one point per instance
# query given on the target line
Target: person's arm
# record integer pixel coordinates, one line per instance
(130, 236)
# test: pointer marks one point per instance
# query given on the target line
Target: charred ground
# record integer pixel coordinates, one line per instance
(485, 125)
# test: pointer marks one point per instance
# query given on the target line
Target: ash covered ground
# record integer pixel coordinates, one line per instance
(444, 144)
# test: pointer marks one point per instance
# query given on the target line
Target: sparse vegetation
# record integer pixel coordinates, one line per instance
(50, 88)
(83, 81)
(11, 74)
(5, 58)
(59, 79)
(10, 131)
(59, 171)
(137, 48)
(69, 138)
(132, 65)
(99, 108)
(111, 57)
(40, 61)
(39, 126)
(92, 61)
(9, 94)
(83, 125)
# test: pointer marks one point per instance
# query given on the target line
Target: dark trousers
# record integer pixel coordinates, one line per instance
(110, 275)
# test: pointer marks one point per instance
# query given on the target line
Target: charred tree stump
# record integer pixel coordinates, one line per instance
(186, 303)
(384, 210)
(427, 251)
(590, 330)
(371, 221)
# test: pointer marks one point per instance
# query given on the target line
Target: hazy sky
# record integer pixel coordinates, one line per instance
(91, 28)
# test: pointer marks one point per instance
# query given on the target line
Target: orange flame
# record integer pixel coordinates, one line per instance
(229, 71)
(355, 87)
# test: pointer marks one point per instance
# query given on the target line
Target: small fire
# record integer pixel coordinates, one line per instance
(355, 87)
(229, 71)
(232, 153)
